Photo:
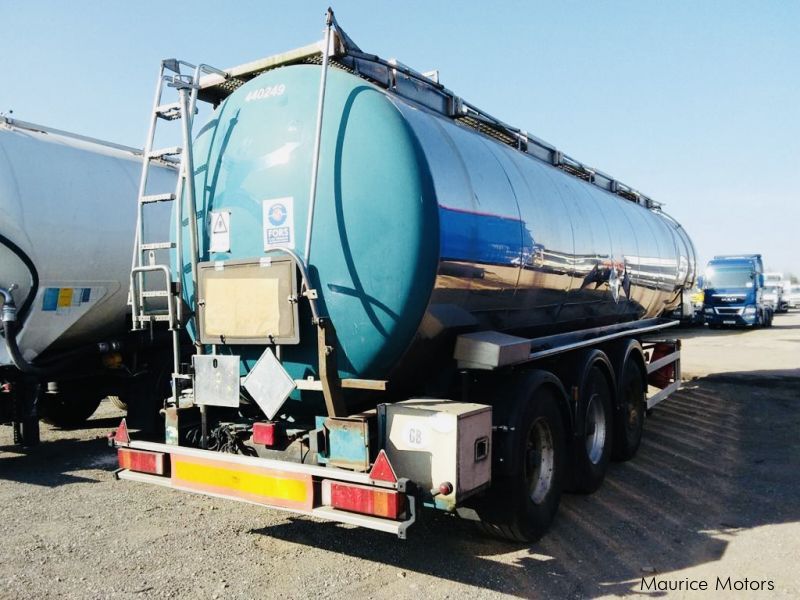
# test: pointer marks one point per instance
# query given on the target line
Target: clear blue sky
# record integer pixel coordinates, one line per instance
(694, 103)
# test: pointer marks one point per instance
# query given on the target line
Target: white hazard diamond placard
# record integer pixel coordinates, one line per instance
(269, 384)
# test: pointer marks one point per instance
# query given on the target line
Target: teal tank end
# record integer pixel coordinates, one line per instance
(375, 243)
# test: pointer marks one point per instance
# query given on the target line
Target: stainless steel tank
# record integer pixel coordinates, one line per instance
(423, 226)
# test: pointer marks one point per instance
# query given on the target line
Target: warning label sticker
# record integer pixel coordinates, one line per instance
(220, 231)
(63, 299)
(278, 223)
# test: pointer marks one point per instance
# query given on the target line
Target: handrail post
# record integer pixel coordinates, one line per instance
(312, 197)
(189, 197)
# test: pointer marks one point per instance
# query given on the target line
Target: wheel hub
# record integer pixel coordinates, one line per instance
(540, 460)
(595, 429)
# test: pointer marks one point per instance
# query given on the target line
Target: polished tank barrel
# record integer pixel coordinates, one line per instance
(423, 227)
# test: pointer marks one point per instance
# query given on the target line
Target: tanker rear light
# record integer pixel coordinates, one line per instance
(142, 461)
(363, 499)
(267, 433)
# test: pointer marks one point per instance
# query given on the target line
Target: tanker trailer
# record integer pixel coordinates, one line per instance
(399, 301)
(68, 205)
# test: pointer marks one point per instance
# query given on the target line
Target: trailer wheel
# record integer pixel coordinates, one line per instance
(26, 432)
(629, 419)
(591, 448)
(521, 506)
(118, 402)
(69, 408)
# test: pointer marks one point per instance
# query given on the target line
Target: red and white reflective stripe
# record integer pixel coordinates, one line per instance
(143, 461)
(363, 499)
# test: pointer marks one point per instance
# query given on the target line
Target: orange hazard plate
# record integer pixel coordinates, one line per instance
(243, 482)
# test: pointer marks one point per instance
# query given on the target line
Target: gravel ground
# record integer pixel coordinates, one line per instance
(712, 493)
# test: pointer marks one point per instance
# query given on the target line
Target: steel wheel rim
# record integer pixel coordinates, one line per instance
(595, 429)
(540, 460)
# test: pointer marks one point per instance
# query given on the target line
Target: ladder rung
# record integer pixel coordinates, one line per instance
(148, 318)
(157, 198)
(169, 112)
(162, 152)
(155, 294)
(157, 246)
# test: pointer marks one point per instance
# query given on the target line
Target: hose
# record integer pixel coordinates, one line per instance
(24, 309)
(9, 318)
(8, 315)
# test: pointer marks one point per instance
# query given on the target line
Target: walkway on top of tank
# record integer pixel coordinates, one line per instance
(420, 88)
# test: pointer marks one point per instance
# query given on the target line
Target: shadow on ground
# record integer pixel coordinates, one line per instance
(51, 463)
(105, 424)
(717, 458)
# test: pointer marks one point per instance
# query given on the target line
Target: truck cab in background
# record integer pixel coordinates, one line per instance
(734, 292)
(774, 291)
(792, 295)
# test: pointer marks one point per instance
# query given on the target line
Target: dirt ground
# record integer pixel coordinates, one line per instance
(713, 493)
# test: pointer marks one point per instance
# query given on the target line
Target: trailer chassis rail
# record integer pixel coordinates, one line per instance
(489, 350)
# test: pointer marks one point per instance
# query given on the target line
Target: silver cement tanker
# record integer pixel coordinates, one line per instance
(67, 214)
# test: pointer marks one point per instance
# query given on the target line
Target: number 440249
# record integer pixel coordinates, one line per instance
(266, 92)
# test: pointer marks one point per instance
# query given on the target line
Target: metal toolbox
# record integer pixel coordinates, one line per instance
(443, 446)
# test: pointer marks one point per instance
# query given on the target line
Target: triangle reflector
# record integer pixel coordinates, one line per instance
(121, 436)
(382, 469)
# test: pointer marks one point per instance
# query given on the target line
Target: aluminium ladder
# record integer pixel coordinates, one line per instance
(146, 254)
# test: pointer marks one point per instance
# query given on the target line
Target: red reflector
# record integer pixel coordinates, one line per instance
(121, 436)
(265, 433)
(142, 461)
(364, 499)
(382, 469)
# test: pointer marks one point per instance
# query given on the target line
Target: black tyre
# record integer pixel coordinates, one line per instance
(591, 448)
(118, 402)
(629, 417)
(69, 409)
(521, 506)
(28, 432)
